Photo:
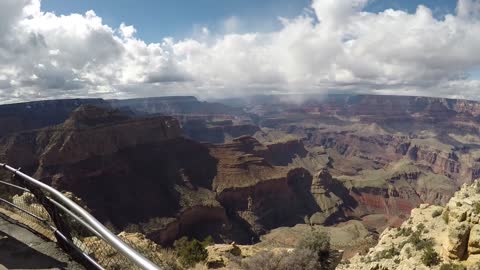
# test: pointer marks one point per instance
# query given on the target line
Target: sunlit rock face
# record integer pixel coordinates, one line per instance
(451, 231)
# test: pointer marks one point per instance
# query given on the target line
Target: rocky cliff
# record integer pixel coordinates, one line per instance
(174, 106)
(434, 237)
(391, 153)
(128, 171)
(202, 131)
(257, 192)
(39, 114)
(323, 161)
(140, 174)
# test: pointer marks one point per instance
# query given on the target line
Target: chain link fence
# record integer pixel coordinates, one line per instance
(36, 209)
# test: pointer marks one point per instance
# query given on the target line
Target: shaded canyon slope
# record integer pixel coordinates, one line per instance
(141, 174)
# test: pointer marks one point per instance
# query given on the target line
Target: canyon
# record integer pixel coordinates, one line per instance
(244, 169)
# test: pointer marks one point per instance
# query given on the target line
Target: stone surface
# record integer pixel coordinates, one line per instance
(474, 240)
(455, 241)
(458, 235)
(21, 249)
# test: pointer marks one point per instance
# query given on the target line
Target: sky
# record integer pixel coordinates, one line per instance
(213, 49)
(156, 19)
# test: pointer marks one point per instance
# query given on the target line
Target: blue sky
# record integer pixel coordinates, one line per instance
(155, 19)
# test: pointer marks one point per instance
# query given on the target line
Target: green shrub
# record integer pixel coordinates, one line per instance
(430, 257)
(405, 232)
(446, 215)
(387, 254)
(316, 241)
(378, 267)
(476, 207)
(319, 243)
(208, 241)
(419, 243)
(190, 252)
(451, 266)
(312, 253)
(298, 259)
(408, 250)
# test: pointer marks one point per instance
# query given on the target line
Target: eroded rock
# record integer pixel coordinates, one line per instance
(474, 240)
(457, 243)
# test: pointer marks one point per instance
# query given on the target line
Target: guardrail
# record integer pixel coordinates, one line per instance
(47, 210)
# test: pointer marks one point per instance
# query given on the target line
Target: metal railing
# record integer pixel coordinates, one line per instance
(49, 212)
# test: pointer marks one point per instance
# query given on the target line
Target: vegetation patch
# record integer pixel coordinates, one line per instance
(387, 254)
(476, 207)
(191, 252)
(312, 252)
(446, 215)
(451, 266)
(405, 232)
(417, 241)
(430, 257)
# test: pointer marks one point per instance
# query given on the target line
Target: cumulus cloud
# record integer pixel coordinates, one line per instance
(337, 46)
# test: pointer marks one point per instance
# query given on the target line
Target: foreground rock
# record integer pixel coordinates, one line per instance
(432, 237)
(22, 249)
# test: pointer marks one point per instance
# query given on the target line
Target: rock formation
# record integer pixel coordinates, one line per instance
(126, 170)
(139, 172)
(451, 232)
(39, 114)
(237, 173)
(257, 192)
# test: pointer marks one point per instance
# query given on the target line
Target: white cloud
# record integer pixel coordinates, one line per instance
(127, 31)
(468, 9)
(232, 24)
(337, 46)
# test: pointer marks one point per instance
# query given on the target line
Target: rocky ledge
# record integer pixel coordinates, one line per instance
(434, 237)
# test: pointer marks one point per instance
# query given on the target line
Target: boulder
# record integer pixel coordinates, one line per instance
(474, 240)
(457, 241)
(459, 213)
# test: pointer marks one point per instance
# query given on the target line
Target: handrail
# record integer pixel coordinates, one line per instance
(56, 232)
(98, 228)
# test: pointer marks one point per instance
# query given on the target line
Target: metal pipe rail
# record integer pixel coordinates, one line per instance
(87, 220)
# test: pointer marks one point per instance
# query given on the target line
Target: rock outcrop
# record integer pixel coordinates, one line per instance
(39, 114)
(141, 173)
(433, 236)
(128, 171)
(329, 195)
(202, 131)
(255, 191)
(174, 105)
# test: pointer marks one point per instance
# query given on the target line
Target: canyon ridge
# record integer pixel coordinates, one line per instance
(258, 171)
